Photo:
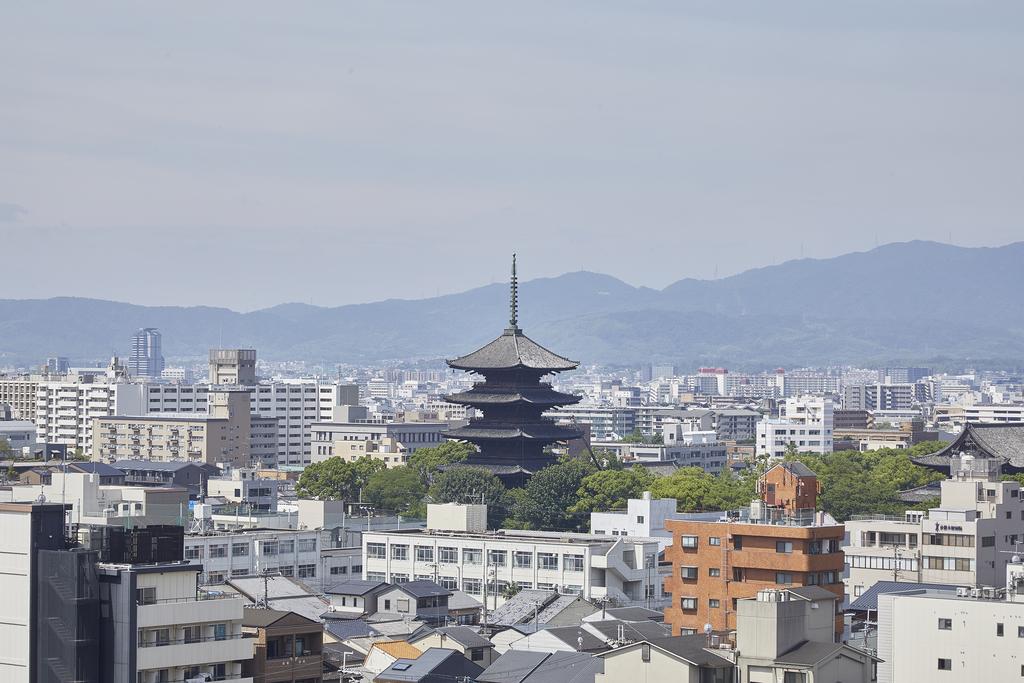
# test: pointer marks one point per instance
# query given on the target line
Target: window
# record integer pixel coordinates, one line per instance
(497, 558)
(379, 577)
(714, 571)
(783, 578)
(713, 603)
(307, 545)
(377, 551)
(525, 585)
(220, 631)
(1020, 631)
(194, 552)
(738, 574)
(988, 541)
(307, 571)
(449, 582)
(737, 543)
(794, 677)
(270, 548)
(219, 550)
(999, 630)
(688, 572)
(714, 540)
(472, 556)
(945, 664)
(639, 519)
(547, 561)
(402, 605)
(522, 559)
(783, 546)
(145, 596)
(240, 549)
(688, 541)
(399, 552)
(472, 586)
(688, 603)
(286, 547)
(476, 654)
(645, 652)
(286, 570)
(193, 634)
(572, 563)
(448, 555)
(945, 624)
(399, 578)
(424, 553)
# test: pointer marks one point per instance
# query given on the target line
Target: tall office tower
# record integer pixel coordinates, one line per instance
(233, 366)
(146, 358)
(57, 365)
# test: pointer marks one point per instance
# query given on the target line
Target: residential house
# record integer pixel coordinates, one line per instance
(288, 648)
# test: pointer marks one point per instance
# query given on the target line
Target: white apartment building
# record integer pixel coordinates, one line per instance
(806, 423)
(962, 635)
(456, 551)
(179, 633)
(346, 438)
(960, 415)
(20, 394)
(243, 486)
(296, 404)
(223, 555)
(966, 541)
(18, 433)
(606, 422)
(643, 517)
(686, 449)
(65, 410)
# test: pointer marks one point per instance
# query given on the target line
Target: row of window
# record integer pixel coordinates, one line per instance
(474, 556)
(864, 562)
(304, 545)
(814, 547)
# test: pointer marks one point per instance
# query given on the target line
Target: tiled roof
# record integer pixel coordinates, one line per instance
(399, 649)
(868, 600)
(422, 588)
(1002, 441)
(511, 350)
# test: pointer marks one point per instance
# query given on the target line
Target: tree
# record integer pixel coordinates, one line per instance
(546, 500)
(510, 590)
(335, 479)
(609, 489)
(471, 485)
(429, 461)
(397, 490)
(690, 486)
(11, 474)
(5, 448)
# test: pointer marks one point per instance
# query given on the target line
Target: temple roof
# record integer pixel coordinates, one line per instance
(511, 350)
(1003, 441)
(542, 431)
(540, 395)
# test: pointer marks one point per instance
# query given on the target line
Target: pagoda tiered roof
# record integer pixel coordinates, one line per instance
(512, 350)
(541, 395)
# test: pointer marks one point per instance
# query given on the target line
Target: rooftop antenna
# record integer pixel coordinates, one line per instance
(514, 297)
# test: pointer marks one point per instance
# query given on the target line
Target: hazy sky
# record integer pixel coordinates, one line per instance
(247, 154)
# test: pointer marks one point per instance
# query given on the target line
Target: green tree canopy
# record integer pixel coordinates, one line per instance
(471, 485)
(336, 479)
(548, 497)
(5, 448)
(609, 489)
(429, 461)
(397, 490)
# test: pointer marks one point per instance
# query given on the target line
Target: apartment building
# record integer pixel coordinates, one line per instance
(606, 422)
(966, 541)
(294, 404)
(224, 555)
(879, 396)
(781, 541)
(806, 424)
(959, 416)
(221, 436)
(953, 635)
(686, 449)
(18, 434)
(244, 487)
(232, 366)
(20, 394)
(66, 410)
(737, 424)
(643, 517)
(163, 629)
(457, 552)
(345, 439)
(288, 646)
(801, 382)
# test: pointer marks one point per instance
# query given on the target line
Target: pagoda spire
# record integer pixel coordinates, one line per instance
(513, 320)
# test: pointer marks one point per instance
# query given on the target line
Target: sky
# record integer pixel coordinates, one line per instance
(246, 154)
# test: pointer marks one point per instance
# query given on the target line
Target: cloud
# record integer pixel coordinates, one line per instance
(9, 213)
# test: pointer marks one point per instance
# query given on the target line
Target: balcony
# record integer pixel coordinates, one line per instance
(190, 610)
(181, 654)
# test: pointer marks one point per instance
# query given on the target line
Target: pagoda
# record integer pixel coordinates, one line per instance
(512, 431)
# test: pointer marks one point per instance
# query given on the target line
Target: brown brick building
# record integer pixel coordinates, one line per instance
(780, 541)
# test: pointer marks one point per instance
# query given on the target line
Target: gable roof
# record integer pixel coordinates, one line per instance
(260, 617)
(422, 588)
(514, 666)
(344, 629)
(567, 667)
(868, 600)
(399, 649)
(154, 465)
(354, 587)
(436, 664)
(571, 636)
(463, 635)
(691, 648)
(1002, 441)
(638, 630)
(100, 468)
(797, 468)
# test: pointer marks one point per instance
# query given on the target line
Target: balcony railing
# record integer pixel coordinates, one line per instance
(192, 641)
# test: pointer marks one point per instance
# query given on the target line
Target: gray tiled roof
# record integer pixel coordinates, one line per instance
(691, 648)
(639, 630)
(514, 666)
(1002, 441)
(798, 469)
(436, 664)
(153, 465)
(354, 587)
(464, 636)
(422, 588)
(567, 667)
(513, 349)
(868, 600)
(810, 653)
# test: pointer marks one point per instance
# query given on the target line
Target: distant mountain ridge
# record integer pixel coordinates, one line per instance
(900, 302)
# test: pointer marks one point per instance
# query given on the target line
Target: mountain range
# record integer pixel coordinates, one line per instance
(903, 302)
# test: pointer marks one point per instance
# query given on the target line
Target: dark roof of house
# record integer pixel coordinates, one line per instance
(354, 587)
(798, 469)
(436, 664)
(809, 653)
(692, 648)
(868, 600)
(514, 666)
(100, 468)
(261, 617)
(567, 667)
(919, 494)
(513, 349)
(344, 629)
(638, 630)
(570, 635)
(463, 635)
(1004, 441)
(635, 614)
(422, 588)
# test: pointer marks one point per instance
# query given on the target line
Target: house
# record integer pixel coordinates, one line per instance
(463, 608)
(384, 653)
(560, 639)
(471, 644)
(425, 599)
(289, 647)
(436, 665)
(520, 666)
(544, 607)
(789, 634)
(108, 475)
(355, 597)
(188, 475)
(639, 614)
(676, 658)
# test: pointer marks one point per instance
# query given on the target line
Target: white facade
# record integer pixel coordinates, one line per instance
(622, 569)
(966, 541)
(65, 410)
(338, 438)
(807, 425)
(643, 517)
(226, 555)
(930, 635)
(18, 433)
